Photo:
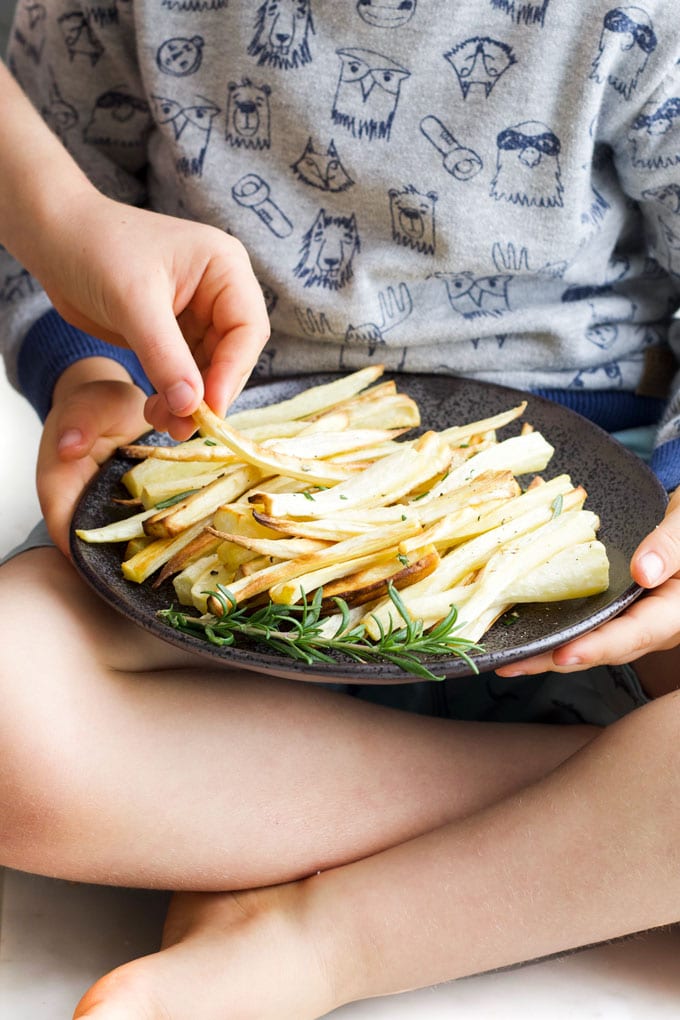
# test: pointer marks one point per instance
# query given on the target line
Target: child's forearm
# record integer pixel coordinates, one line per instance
(40, 180)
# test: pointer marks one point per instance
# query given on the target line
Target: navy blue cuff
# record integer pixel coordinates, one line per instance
(665, 463)
(612, 410)
(51, 345)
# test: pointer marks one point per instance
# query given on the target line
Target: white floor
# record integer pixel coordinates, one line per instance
(57, 937)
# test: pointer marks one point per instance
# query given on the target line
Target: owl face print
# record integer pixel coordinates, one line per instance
(328, 250)
(528, 167)
(367, 94)
(192, 126)
(480, 62)
(475, 296)
(386, 13)
(626, 42)
(282, 31)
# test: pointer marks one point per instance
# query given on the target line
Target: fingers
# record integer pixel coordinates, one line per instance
(81, 431)
(658, 556)
(153, 333)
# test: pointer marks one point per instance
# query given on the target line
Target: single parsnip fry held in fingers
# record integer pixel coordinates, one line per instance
(267, 459)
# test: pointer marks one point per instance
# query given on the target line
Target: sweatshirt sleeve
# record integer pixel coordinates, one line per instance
(78, 66)
(648, 162)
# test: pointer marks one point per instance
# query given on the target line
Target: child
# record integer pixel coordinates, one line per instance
(395, 206)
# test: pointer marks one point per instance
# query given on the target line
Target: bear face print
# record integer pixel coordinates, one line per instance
(413, 223)
(248, 115)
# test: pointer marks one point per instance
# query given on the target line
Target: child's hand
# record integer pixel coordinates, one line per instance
(95, 408)
(650, 624)
(181, 294)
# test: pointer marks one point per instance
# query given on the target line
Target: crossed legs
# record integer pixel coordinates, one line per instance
(125, 761)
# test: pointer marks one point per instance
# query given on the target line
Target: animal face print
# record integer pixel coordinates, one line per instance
(368, 93)
(248, 115)
(386, 13)
(282, 33)
(322, 168)
(473, 296)
(413, 219)
(651, 149)
(626, 42)
(118, 118)
(480, 62)
(528, 168)
(328, 250)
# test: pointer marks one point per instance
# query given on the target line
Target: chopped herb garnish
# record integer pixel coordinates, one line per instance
(557, 505)
(307, 494)
(403, 559)
(171, 500)
(210, 442)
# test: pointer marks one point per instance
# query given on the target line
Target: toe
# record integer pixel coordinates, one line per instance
(124, 994)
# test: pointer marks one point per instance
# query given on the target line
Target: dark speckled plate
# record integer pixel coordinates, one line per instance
(621, 489)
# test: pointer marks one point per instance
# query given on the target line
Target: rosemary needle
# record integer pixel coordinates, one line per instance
(296, 631)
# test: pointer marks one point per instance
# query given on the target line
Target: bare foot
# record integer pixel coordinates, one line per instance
(246, 956)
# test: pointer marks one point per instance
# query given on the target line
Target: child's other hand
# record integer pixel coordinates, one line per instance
(95, 408)
(181, 294)
(651, 624)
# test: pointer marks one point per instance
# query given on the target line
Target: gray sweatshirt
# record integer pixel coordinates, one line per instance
(486, 188)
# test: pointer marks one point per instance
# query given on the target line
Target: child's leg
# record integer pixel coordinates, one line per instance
(588, 853)
(125, 761)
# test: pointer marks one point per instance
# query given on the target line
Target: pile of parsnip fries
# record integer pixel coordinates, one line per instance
(326, 493)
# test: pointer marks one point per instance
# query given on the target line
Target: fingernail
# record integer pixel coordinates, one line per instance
(71, 437)
(573, 660)
(651, 566)
(179, 396)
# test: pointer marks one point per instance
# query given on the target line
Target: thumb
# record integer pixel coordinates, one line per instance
(658, 556)
(154, 335)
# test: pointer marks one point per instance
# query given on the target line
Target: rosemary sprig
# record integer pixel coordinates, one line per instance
(296, 631)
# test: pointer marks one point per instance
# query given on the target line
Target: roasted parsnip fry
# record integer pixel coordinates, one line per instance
(175, 519)
(332, 529)
(160, 489)
(371, 583)
(330, 444)
(521, 455)
(199, 571)
(311, 401)
(117, 531)
(203, 545)
(459, 433)
(153, 556)
(280, 548)
(142, 473)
